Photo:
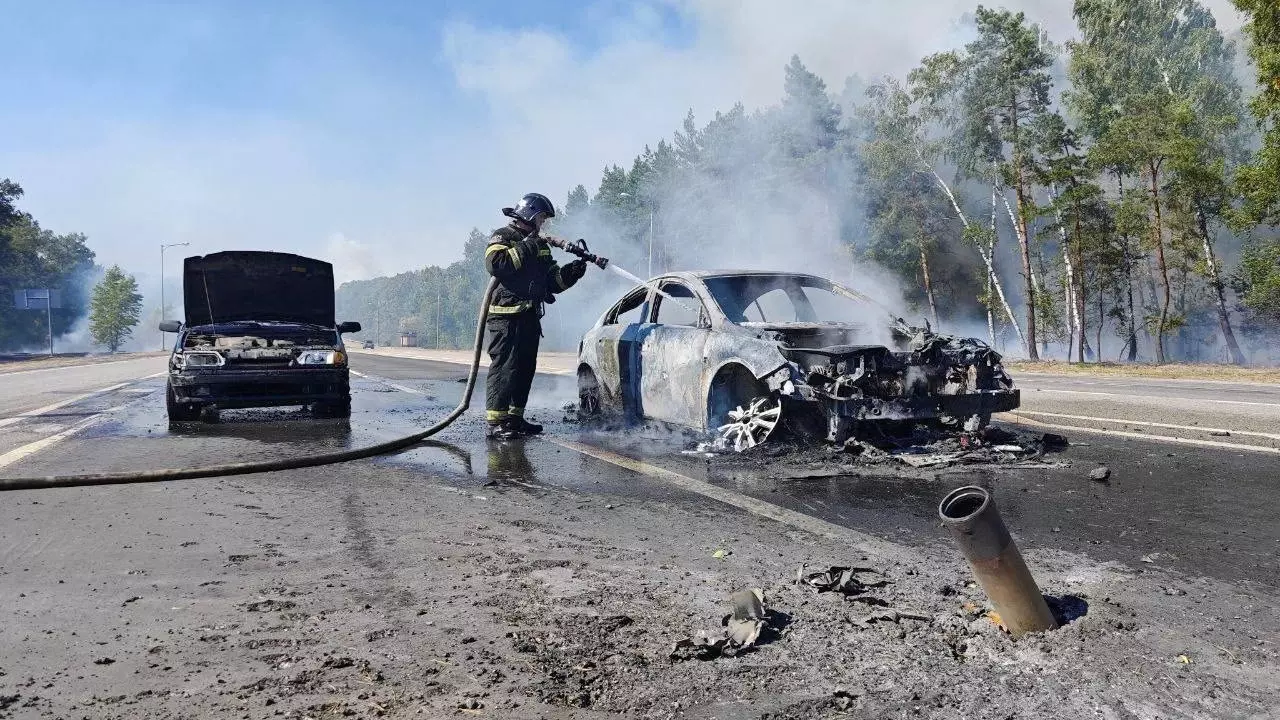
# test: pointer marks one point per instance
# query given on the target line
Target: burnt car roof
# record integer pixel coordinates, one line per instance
(706, 274)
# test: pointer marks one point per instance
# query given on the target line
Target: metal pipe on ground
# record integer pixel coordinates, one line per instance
(970, 514)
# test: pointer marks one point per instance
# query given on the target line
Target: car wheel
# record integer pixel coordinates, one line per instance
(339, 409)
(594, 400)
(740, 409)
(179, 412)
(751, 424)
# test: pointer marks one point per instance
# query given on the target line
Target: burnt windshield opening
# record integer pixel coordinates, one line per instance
(780, 299)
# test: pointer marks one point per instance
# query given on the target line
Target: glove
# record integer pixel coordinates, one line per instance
(574, 271)
(529, 247)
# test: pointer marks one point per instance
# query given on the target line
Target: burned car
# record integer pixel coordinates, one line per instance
(259, 332)
(743, 354)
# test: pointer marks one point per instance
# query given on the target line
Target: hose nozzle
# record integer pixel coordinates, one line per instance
(578, 249)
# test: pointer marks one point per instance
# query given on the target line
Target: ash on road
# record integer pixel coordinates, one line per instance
(533, 580)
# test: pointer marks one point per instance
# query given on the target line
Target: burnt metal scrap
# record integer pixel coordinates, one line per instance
(843, 580)
(955, 380)
(746, 354)
(740, 630)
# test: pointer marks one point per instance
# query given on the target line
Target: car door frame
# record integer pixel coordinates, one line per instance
(673, 361)
(614, 352)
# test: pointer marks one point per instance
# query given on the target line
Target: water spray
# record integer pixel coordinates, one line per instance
(580, 250)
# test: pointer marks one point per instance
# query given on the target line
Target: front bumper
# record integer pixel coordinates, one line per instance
(924, 407)
(229, 387)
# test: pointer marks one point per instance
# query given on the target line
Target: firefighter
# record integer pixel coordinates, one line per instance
(528, 278)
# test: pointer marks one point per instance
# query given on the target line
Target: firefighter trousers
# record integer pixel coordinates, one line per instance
(513, 356)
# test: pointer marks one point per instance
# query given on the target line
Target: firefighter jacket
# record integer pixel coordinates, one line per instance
(527, 276)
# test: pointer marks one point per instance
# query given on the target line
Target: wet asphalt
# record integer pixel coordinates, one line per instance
(1199, 511)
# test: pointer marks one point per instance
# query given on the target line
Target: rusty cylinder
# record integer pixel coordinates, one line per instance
(971, 515)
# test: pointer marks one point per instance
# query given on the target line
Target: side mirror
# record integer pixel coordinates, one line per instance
(172, 326)
(348, 327)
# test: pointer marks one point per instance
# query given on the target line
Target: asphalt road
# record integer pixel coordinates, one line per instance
(1194, 500)
(1191, 510)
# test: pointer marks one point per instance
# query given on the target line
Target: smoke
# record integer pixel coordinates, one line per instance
(387, 135)
(352, 260)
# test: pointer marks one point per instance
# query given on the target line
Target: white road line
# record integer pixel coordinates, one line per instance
(1139, 380)
(388, 383)
(816, 526)
(484, 362)
(1154, 397)
(1011, 418)
(50, 408)
(63, 403)
(1197, 428)
(30, 449)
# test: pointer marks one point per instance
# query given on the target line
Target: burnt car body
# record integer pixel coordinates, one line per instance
(259, 332)
(741, 352)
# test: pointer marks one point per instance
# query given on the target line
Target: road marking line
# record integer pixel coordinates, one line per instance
(1014, 419)
(816, 526)
(388, 383)
(484, 362)
(30, 449)
(48, 408)
(1140, 379)
(1270, 436)
(63, 403)
(1154, 397)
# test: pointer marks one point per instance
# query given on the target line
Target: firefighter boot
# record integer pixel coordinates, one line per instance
(524, 426)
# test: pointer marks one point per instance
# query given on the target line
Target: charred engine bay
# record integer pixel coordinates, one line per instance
(257, 342)
(843, 391)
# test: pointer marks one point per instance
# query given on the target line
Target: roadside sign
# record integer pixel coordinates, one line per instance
(37, 299)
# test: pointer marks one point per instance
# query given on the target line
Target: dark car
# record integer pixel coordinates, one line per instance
(259, 332)
(368, 345)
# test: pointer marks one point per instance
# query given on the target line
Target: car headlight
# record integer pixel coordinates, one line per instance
(200, 359)
(321, 357)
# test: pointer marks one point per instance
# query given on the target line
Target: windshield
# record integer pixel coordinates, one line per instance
(786, 299)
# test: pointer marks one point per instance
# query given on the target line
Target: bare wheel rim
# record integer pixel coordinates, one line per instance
(750, 426)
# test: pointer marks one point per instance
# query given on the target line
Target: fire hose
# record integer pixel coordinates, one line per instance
(296, 463)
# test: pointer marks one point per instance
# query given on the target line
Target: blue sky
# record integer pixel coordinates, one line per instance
(376, 134)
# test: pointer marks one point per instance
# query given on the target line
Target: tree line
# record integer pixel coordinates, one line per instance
(34, 258)
(1113, 197)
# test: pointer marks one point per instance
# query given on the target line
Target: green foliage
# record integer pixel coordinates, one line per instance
(911, 226)
(116, 305)
(32, 257)
(1257, 281)
(1259, 182)
(439, 303)
(1134, 183)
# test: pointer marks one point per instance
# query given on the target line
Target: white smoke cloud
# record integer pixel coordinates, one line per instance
(352, 260)
(351, 152)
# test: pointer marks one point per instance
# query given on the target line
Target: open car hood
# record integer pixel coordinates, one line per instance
(254, 285)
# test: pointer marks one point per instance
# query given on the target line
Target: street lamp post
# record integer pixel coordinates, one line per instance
(163, 343)
(628, 195)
